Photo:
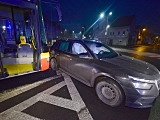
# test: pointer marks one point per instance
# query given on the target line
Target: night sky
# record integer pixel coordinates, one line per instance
(85, 12)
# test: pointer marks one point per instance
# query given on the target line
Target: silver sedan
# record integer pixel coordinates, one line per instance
(116, 78)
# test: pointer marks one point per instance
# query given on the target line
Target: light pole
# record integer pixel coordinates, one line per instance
(108, 26)
(83, 32)
(110, 13)
(144, 35)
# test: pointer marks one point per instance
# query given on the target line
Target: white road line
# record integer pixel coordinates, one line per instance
(85, 115)
(72, 89)
(25, 104)
(75, 104)
(54, 88)
(154, 56)
(7, 95)
(61, 102)
(18, 108)
(83, 112)
(15, 115)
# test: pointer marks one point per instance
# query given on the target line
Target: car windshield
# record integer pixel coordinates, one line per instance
(101, 50)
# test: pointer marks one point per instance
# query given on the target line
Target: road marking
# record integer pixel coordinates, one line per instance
(83, 112)
(16, 115)
(76, 104)
(7, 95)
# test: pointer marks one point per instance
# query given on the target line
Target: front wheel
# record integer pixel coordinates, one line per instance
(109, 92)
(53, 64)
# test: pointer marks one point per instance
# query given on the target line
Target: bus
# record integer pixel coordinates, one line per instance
(23, 47)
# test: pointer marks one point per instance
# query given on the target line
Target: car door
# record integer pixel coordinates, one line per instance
(80, 63)
(62, 55)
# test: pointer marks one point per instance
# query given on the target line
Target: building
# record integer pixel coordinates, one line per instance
(99, 29)
(122, 32)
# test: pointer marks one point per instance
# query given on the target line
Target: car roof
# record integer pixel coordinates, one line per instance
(82, 40)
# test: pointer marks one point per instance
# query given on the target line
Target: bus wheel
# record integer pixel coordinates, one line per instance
(53, 64)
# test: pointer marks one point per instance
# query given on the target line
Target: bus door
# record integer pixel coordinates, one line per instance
(16, 46)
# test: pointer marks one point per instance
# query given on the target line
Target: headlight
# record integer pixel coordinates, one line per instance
(142, 83)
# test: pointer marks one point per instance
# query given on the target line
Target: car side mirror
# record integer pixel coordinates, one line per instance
(83, 55)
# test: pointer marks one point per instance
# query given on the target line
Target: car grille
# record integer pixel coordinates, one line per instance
(158, 82)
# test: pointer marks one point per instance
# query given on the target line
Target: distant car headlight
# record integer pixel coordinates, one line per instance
(142, 83)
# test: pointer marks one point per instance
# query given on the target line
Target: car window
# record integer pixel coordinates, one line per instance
(54, 46)
(96, 49)
(64, 46)
(101, 50)
(77, 48)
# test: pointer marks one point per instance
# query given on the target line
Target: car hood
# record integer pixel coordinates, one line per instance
(132, 66)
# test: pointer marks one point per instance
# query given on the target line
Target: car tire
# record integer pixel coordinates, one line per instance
(53, 64)
(109, 92)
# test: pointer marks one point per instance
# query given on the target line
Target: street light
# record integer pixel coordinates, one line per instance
(101, 15)
(108, 26)
(110, 13)
(144, 34)
(144, 29)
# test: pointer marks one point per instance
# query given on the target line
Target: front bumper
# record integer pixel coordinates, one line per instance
(141, 98)
(141, 102)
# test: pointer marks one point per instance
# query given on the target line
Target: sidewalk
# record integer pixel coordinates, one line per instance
(141, 48)
(145, 54)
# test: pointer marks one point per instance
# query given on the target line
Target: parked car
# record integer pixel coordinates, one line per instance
(116, 78)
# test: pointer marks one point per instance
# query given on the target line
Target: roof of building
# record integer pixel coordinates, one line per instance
(123, 21)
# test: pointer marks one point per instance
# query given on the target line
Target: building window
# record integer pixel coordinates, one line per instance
(123, 32)
(119, 33)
